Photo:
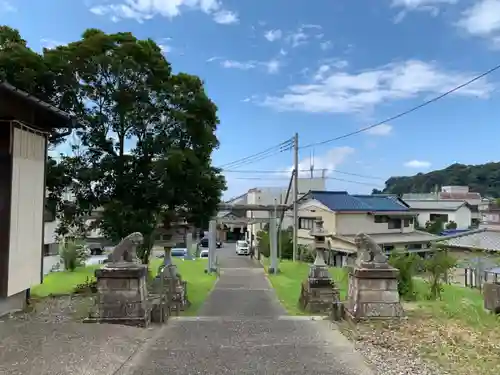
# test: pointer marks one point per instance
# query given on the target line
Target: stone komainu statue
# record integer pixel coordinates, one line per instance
(126, 250)
(368, 250)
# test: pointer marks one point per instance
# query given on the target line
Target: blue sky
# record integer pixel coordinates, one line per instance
(320, 68)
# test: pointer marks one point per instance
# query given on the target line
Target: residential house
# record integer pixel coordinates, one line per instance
(387, 219)
(477, 204)
(476, 249)
(278, 195)
(457, 211)
(25, 123)
(490, 218)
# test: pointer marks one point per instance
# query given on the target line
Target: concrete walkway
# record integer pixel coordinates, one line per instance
(242, 329)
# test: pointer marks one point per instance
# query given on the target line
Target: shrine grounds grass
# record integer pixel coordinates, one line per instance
(455, 333)
(199, 283)
(287, 283)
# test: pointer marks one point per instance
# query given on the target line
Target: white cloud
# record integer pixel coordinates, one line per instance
(6, 6)
(383, 129)
(417, 164)
(226, 17)
(232, 64)
(482, 19)
(326, 45)
(272, 35)
(272, 66)
(142, 10)
(343, 92)
(331, 160)
(302, 35)
(50, 43)
(429, 6)
(164, 45)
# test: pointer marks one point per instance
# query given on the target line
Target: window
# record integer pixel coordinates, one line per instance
(408, 222)
(394, 224)
(306, 223)
(388, 248)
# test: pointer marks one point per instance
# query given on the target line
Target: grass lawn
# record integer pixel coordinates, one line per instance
(193, 271)
(64, 282)
(454, 332)
(287, 283)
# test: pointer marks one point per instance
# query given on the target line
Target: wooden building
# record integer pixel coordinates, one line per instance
(25, 125)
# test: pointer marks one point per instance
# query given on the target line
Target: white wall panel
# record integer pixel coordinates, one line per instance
(26, 227)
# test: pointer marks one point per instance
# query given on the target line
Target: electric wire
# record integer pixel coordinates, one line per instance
(404, 113)
(286, 179)
(243, 171)
(271, 151)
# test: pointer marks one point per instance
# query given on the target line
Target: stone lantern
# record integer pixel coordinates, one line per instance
(319, 293)
(174, 235)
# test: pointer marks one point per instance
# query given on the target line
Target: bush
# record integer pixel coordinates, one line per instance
(88, 287)
(407, 264)
(451, 225)
(307, 254)
(73, 254)
(263, 243)
(437, 268)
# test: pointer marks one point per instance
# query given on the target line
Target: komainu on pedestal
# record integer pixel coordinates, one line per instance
(373, 284)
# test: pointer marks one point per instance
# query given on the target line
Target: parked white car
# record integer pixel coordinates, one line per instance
(242, 248)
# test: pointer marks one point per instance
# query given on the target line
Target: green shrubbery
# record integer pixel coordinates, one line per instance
(73, 254)
(435, 268)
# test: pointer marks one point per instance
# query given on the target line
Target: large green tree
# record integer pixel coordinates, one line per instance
(148, 136)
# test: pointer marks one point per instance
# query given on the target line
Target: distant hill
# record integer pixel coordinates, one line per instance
(483, 179)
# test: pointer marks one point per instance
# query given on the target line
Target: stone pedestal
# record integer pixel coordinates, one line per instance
(122, 296)
(373, 292)
(491, 293)
(318, 292)
(175, 289)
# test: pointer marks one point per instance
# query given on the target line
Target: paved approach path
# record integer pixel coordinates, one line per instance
(242, 329)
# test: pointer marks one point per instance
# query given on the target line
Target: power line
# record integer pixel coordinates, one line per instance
(424, 104)
(301, 170)
(286, 179)
(271, 151)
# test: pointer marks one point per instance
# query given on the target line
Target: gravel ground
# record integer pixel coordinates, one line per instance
(64, 309)
(386, 353)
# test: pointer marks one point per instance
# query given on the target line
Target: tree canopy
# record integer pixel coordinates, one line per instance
(146, 138)
(483, 179)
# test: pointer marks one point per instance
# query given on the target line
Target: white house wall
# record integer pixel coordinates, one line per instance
(354, 223)
(462, 217)
(314, 209)
(49, 232)
(26, 228)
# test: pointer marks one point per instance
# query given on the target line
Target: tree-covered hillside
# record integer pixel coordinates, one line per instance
(484, 179)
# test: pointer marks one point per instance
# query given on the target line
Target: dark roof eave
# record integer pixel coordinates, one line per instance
(70, 121)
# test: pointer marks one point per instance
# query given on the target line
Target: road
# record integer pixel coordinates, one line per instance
(243, 329)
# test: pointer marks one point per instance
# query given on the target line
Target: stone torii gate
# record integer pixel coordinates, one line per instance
(273, 233)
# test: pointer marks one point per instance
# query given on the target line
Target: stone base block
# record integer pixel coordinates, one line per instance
(122, 296)
(491, 293)
(318, 297)
(373, 294)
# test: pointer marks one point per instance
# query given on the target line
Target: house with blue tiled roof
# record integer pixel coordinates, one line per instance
(386, 218)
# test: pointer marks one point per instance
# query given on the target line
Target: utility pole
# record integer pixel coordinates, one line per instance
(295, 194)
